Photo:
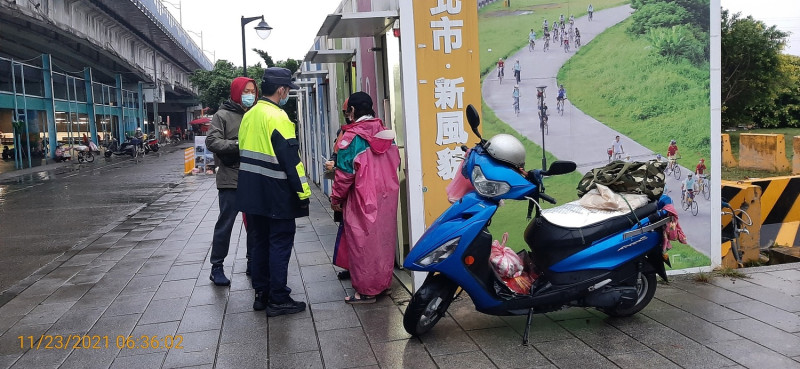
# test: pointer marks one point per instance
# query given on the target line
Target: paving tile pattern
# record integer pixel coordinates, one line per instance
(147, 276)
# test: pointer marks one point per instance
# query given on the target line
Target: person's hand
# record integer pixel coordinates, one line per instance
(336, 207)
(329, 165)
(304, 203)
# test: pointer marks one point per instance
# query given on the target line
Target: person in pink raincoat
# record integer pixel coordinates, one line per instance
(366, 189)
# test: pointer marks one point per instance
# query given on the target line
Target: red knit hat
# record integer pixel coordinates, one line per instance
(237, 86)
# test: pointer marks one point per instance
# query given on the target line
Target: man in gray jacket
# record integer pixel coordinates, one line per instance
(223, 141)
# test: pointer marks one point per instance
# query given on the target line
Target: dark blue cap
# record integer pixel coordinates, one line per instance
(279, 76)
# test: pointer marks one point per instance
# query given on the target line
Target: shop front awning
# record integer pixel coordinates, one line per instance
(313, 73)
(363, 24)
(329, 56)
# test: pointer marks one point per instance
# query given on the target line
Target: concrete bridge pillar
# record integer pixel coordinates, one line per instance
(49, 104)
(120, 112)
(90, 108)
(140, 110)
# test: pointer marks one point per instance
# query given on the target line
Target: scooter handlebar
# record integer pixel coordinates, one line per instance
(547, 198)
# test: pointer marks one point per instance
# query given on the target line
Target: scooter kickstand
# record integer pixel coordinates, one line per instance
(527, 327)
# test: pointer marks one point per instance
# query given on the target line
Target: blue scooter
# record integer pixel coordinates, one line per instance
(609, 265)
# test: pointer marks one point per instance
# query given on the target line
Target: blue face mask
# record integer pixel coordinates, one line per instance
(248, 100)
(284, 100)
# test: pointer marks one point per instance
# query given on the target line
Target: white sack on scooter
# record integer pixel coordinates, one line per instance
(602, 198)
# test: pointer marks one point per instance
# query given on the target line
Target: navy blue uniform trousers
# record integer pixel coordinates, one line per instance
(272, 240)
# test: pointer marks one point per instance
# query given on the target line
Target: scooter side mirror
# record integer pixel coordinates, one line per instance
(474, 120)
(561, 167)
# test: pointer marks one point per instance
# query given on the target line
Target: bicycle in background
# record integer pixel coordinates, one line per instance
(546, 45)
(740, 220)
(543, 120)
(688, 202)
(702, 186)
(560, 106)
(673, 169)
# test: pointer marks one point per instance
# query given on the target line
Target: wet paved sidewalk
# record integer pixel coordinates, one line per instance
(148, 276)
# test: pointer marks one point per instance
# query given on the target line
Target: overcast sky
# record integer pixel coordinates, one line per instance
(294, 26)
(785, 14)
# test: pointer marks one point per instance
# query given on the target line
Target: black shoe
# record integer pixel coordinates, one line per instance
(218, 276)
(291, 307)
(260, 302)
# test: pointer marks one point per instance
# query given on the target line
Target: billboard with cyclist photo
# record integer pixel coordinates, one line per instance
(596, 81)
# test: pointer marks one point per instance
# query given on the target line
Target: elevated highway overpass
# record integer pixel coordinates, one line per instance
(91, 66)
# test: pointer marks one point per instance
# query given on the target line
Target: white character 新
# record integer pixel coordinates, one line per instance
(448, 93)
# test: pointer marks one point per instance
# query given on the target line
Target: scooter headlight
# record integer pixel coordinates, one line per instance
(487, 187)
(440, 253)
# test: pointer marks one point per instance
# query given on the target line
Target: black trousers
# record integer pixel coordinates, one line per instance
(272, 240)
(222, 230)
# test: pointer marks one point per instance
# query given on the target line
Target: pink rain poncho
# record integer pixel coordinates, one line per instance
(367, 186)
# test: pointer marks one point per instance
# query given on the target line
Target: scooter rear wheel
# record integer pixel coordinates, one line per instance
(429, 304)
(645, 290)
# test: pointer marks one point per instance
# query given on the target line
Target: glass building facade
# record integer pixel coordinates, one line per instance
(41, 108)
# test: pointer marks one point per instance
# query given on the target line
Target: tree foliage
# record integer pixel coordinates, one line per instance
(214, 86)
(678, 42)
(784, 109)
(290, 64)
(677, 29)
(697, 12)
(657, 15)
(751, 67)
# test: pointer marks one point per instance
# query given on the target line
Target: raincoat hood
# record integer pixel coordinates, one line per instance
(372, 130)
(237, 86)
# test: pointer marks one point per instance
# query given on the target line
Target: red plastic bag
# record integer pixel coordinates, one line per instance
(460, 185)
(505, 262)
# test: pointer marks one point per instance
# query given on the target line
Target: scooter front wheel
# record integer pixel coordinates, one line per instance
(645, 290)
(429, 304)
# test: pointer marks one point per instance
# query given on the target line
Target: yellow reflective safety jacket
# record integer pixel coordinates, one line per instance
(272, 179)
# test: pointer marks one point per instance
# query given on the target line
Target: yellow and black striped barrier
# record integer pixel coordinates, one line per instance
(780, 210)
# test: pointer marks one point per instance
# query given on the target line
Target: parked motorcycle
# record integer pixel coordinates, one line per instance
(150, 144)
(62, 153)
(130, 147)
(85, 154)
(609, 265)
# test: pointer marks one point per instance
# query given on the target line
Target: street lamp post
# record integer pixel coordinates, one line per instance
(540, 94)
(262, 29)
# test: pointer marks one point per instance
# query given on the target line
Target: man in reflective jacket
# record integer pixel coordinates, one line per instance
(273, 191)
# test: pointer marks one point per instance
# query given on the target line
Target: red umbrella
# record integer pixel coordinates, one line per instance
(202, 122)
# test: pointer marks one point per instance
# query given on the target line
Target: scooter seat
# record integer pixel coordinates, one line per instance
(573, 215)
(552, 241)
